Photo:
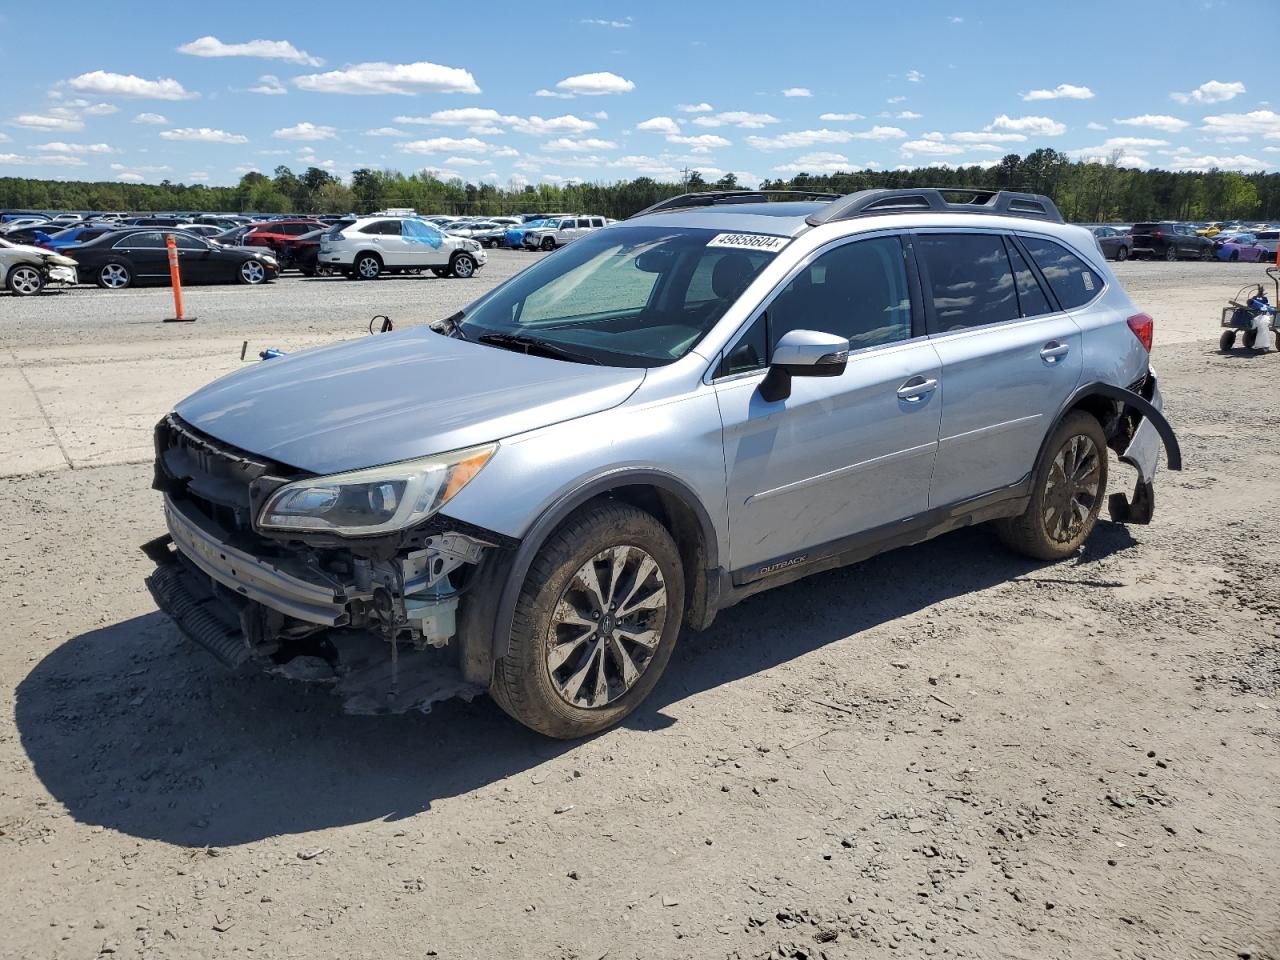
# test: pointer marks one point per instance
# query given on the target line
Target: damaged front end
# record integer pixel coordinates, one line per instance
(381, 619)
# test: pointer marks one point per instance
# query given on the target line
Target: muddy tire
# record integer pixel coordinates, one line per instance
(596, 622)
(1227, 340)
(1250, 338)
(1066, 493)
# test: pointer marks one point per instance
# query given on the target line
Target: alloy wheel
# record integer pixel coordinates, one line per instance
(606, 626)
(369, 268)
(253, 271)
(25, 281)
(115, 276)
(1071, 491)
(463, 267)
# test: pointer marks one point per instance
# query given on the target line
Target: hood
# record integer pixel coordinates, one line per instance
(47, 255)
(396, 396)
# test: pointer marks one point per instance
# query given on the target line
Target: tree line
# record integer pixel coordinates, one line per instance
(1083, 191)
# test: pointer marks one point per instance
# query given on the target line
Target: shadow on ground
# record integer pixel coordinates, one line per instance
(132, 728)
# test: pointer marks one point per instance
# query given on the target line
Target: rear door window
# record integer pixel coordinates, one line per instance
(970, 278)
(1073, 280)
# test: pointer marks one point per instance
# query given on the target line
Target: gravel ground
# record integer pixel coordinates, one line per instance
(944, 751)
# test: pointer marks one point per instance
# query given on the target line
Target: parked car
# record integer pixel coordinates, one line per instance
(514, 235)
(707, 400)
(1171, 241)
(32, 234)
(156, 222)
(26, 271)
(1239, 246)
(138, 255)
(206, 230)
(363, 250)
(473, 229)
(556, 233)
(275, 233)
(1115, 244)
(79, 234)
(302, 253)
(1267, 240)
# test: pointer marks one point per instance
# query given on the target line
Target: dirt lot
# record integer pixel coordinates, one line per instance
(945, 751)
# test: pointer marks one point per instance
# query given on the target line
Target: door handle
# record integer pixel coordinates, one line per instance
(916, 389)
(1053, 351)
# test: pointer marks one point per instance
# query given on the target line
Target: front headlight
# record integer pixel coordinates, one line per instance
(378, 500)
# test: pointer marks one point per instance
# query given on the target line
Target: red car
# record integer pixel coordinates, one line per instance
(276, 233)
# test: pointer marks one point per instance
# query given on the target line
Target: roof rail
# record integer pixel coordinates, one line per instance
(709, 198)
(1004, 203)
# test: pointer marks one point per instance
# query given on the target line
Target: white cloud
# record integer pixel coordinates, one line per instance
(1156, 121)
(599, 115)
(264, 49)
(202, 135)
(385, 132)
(446, 145)
(736, 118)
(817, 163)
(1036, 126)
(799, 139)
(1131, 150)
(59, 160)
(659, 125)
(269, 85)
(1215, 91)
(465, 162)
(616, 24)
(702, 140)
(40, 121)
(595, 84)
(840, 117)
(987, 136)
(895, 99)
(1063, 91)
(908, 115)
(1206, 162)
(566, 144)
(955, 19)
(880, 133)
(60, 147)
(538, 127)
(151, 118)
(703, 107)
(130, 177)
(544, 92)
(1264, 123)
(797, 92)
(486, 121)
(197, 176)
(1094, 125)
(1235, 138)
(305, 131)
(98, 109)
(400, 78)
(931, 148)
(914, 76)
(127, 85)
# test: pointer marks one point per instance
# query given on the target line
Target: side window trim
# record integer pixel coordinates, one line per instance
(1012, 247)
(713, 374)
(1045, 286)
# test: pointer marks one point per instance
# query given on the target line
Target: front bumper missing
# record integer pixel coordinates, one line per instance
(1143, 453)
(219, 596)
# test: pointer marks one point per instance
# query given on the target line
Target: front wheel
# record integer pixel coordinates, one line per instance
(1250, 338)
(463, 266)
(1206, 253)
(596, 622)
(548, 244)
(1066, 495)
(25, 280)
(251, 272)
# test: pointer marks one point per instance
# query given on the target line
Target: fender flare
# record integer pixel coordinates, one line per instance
(568, 502)
(1131, 400)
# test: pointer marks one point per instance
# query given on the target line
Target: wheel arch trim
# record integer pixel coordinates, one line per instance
(553, 515)
(1129, 399)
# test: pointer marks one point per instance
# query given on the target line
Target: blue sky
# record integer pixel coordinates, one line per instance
(553, 92)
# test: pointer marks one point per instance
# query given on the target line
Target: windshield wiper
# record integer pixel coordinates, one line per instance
(535, 344)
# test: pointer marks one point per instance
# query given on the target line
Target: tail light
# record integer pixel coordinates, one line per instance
(1143, 328)
(1157, 233)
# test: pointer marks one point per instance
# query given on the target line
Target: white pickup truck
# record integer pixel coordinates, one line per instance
(556, 233)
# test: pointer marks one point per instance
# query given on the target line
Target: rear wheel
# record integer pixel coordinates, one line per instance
(1206, 253)
(367, 267)
(25, 280)
(595, 624)
(1066, 494)
(1227, 340)
(1250, 338)
(1170, 253)
(1122, 254)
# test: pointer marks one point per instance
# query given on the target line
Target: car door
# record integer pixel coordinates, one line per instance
(424, 244)
(842, 455)
(1010, 358)
(194, 261)
(147, 255)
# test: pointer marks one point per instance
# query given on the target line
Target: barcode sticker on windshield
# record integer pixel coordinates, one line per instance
(750, 241)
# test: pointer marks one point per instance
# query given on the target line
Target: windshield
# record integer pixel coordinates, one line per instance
(625, 296)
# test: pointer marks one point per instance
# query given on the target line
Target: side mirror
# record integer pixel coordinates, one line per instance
(803, 353)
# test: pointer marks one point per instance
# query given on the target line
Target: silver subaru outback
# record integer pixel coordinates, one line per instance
(719, 395)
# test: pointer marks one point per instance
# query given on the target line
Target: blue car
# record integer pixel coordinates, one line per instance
(77, 235)
(514, 237)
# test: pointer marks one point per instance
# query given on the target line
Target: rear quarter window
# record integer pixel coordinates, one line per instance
(1073, 280)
